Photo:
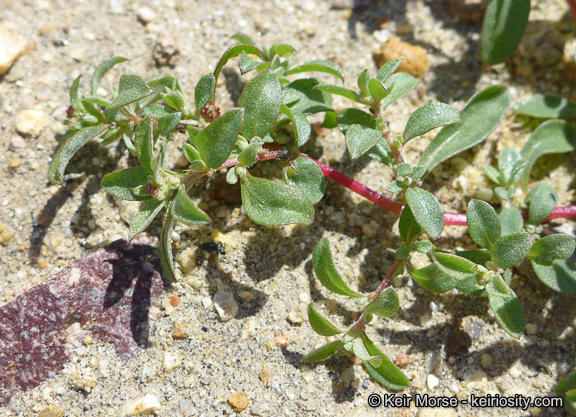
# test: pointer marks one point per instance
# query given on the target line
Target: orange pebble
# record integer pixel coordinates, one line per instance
(174, 301)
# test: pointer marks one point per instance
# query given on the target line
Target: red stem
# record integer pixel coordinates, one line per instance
(386, 279)
(450, 219)
(572, 5)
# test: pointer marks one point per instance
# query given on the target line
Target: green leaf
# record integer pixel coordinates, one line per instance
(215, 143)
(340, 91)
(381, 152)
(283, 49)
(144, 217)
(403, 84)
(307, 176)
(552, 136)
(541, 201)
(493, 174)
(185, 210)
(262, 99)
(483, 223)
(511, 221)
(132, 88)
(506, 307)
(408, 226)
(129, 144)
(232, 52)
(318, 66)
(385, 305)
(479, 118)
(564, 386)
(300, 95)
(66, 151)
(360, 139)
(511, 250)
(550, 248)
(168, 123)
(248, 156)
(502, 29)
(454, 266)
(326, 271)
(271, 203)
(247, 64)
(244, 39)
(378, 90)
(509, 161)
(387, 373)
(300, 124)
(119, 183)
(560, 276)
(478, 256)
(386, 70)
(324, 352)
(429, 117)
(204, 91)
(101, 70)
(75, 97)
(144, 142)
(363, 80)
(191, 153)
(349, 117)
(165, 244)
(505, 193)
(427, 211)
(320, 324)
(432, 279)
(546, 107)
(360, 351)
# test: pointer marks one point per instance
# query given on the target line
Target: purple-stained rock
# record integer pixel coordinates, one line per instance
(108, 293)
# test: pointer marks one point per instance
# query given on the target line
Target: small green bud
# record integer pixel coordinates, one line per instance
(381, 124)
(231, 177)
(403, 252)
(407, 181)
(397, 142)
(240, 171)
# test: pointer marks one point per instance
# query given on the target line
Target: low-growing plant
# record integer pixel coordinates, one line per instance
(145, 115)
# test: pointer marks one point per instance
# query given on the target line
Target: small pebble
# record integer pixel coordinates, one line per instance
(432, 381)
(265, 374)
(174, 301)
(144, 405)
(206, 302)
(415, 59)
(261, 409)
(171, 361)
(146, 14)
(53, 410)
(282, 340)
(226, 305)
(180, 330)
(6, 234)
(30, 122)
(295, 318)
(17, 144)
(403, 359)
(239, 402)
(10, 49)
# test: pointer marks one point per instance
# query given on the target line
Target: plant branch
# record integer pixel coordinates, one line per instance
(572, 5)
(386, 279)
(393, 148)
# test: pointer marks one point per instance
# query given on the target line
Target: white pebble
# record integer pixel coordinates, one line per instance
(171, 361)
(206, 302)
(432, 381)
(144, 405)
(225, 304)
(304, 297)
(30, 122)
(10, 49)
(146, 14)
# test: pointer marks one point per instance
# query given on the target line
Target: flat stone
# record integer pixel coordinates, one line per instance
(415, 59)
(144, 405)
(53, 410)
(171, 361)
(146, 14)
(107, 293)
(10, 49)
(180, 330)
(30, 122)
(239, 402)
(17, 144)
(261, 409)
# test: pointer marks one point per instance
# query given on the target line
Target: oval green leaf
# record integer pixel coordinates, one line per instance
(271, 203)
(204, 91)
(432, 279)
(511, 250)
(403, 84)
(215, 143)
(101, 70)
(408, 226)
(144, 142)
(132, 88)
(326, 271)
(546, 107)
(541, 201)
(429, 117)
(144, 217)
(386, 70)
(511, 221)
(261, 98)
(560, 276)
(340, 91)
(454, 266)
(506, 307)
(232, 52)
(300, 125)
(119, 183)
(550, 248)
(385, 305)
(360, 139)
(387, 373)
(483, 223)
(323, 352)
(427, 211)
(320, 324)
(307, 176)
(185, 211)
(479, 118)
(318, 66)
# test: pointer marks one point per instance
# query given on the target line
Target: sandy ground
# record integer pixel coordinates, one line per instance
(268, 271)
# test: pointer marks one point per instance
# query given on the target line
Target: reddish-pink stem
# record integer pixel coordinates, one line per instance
(386, 279)
(450, 219)
(358, 188)
(572, 5)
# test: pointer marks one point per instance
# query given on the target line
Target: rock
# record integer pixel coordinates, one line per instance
(30, 122)
(116, 7)
(282, 340)
(225, 304)
(239, 402)
(171, 361)
(144, 405)
(10, 49)
(6, 234)
(108, 290)
(146, 14)
(17, 144)
(265, 374)
(432, 381)
(478, 380)
(403, 359)
(467, 11)
(180, 330)
(466, 331)
(295, 318)
(165, 50)
(77, 54)
(53, 410)
(261, 409)
(415, 58)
